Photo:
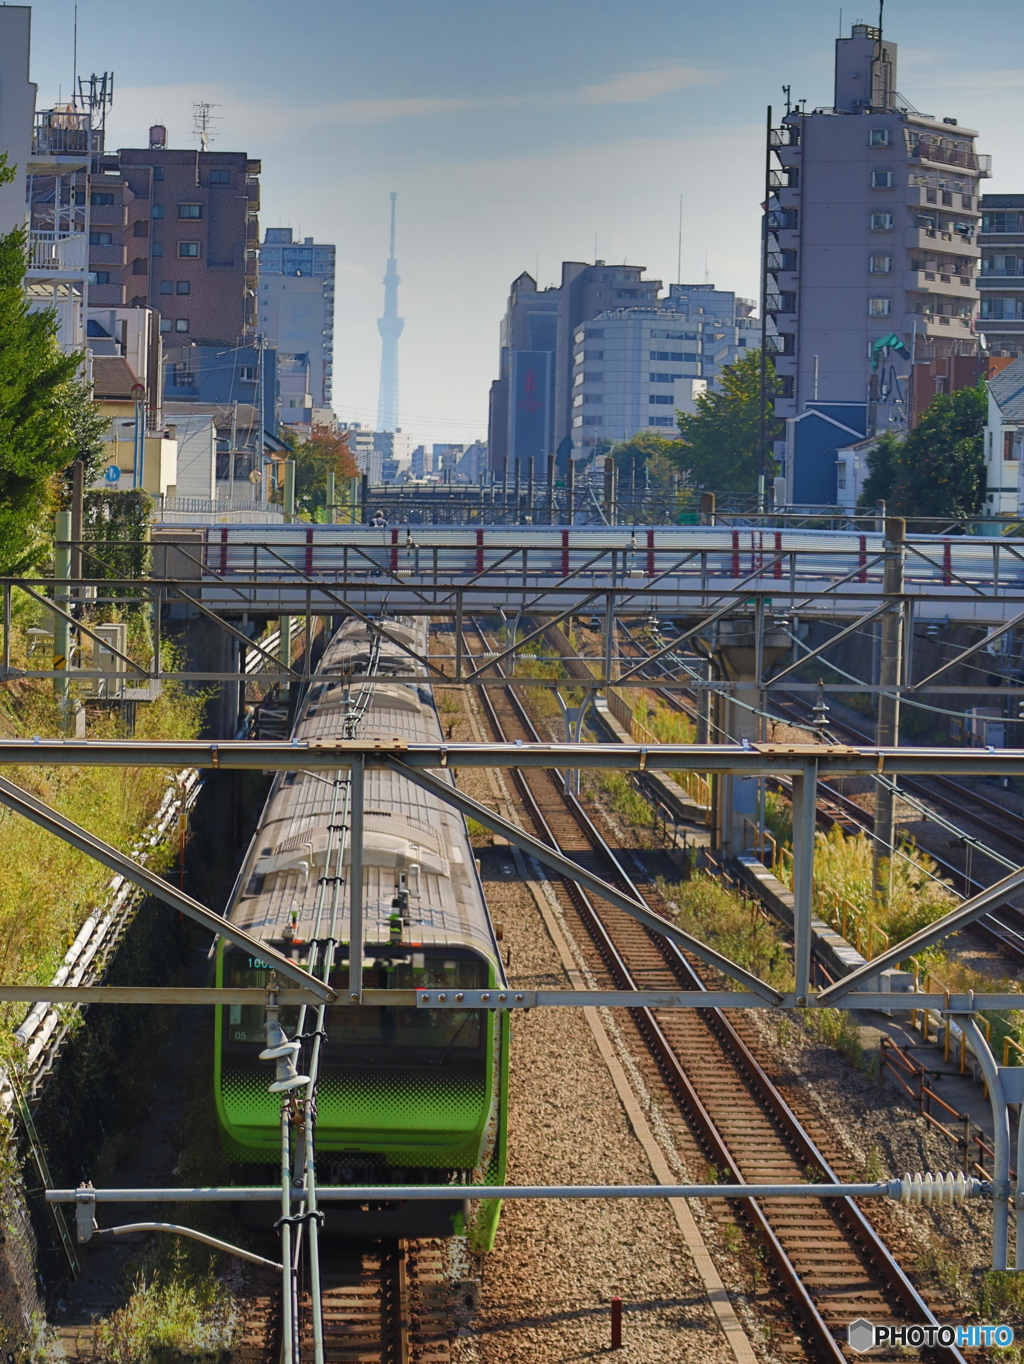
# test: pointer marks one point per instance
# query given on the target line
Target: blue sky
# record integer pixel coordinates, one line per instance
(515, 134)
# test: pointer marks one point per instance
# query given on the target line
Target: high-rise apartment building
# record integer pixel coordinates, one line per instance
(176, 230)
(1001, 281)
(872, 259)
(296, 305)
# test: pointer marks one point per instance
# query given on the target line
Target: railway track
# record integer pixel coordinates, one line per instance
(383, 1303)
(1003, 929)
(829, 1261)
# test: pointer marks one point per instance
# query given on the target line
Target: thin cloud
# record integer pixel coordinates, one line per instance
(637, 87)
(274, 120)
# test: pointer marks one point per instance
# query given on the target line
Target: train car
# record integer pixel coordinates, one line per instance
(404, 1095)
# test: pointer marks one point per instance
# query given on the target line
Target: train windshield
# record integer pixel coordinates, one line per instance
(378, 1035)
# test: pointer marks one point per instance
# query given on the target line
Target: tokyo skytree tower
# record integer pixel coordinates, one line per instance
(390, 328)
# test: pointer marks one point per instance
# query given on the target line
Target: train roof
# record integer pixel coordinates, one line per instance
(292, 861)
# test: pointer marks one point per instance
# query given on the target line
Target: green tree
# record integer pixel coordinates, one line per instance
(321, 453)
(883, 463)
(37, 438)
(88, 429)
(941, 466)
(646, 450)
(720, 441)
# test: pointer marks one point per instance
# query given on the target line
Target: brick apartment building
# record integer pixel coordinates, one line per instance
(177, 231)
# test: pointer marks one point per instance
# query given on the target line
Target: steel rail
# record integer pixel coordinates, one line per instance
(858, 1227)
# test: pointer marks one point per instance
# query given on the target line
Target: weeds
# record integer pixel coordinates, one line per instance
(733, 925)
(180, 1319)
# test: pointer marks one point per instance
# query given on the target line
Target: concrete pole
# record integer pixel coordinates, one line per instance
(887, 730)
(570, 491)
(805, 792)
(609, 491)
(330, 499)
(77, 516)
(707, 509)
(289, 490)
(289, 516)
(61, 628)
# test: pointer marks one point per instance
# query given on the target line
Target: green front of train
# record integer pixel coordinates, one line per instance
(405, 1095)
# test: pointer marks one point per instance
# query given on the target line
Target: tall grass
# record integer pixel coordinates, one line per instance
(49, 888)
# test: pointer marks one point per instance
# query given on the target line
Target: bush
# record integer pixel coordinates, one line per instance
(168, 1322)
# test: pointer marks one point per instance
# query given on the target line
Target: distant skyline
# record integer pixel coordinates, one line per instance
(515, 134)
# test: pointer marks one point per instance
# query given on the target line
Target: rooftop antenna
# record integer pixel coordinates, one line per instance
(787, 90)
(203, 120)
(707, 277)
(74, 58)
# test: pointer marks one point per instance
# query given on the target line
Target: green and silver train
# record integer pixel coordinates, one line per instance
(404, 1095)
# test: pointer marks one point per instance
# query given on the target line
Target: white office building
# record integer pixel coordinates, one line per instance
(634, 368)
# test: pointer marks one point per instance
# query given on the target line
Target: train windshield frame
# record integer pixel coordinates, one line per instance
(375, 1035)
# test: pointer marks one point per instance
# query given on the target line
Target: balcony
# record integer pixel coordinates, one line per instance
(935, 151)
(985, 166)
(931, 324)
(949, 283)
(107, 255)
(933, 240)
(57, 254)
(109, 215)
(106, 296)
(1016, 273)
(63, 137)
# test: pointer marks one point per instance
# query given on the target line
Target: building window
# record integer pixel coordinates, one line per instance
(157, 249)
(140, 228)
(577, 421)
(591, 421)
(181, 324)
(101, 238)
(140, 266)
(158, 172)
(99, 276)
(664, 378)
(578, 380)
(101, 200)
(220, 177)
(183, 287)
(165, 324)
(881, 265)
(247, 374)
(594, 332)
(841, 475)
(578, 400)
(158, 211)
(785, 384)
(882, 222)
(190, 211)
(188, 250)
(593, 398)
(660, 421)
(593, 378)
(883, 179)
(880, 137)
(660, 398)
(1008, 445)
(879, 307)
(167, 286)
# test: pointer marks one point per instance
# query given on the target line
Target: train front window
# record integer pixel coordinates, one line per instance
(376, 1034)
(399, 1035)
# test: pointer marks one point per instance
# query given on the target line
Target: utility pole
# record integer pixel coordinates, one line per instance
(234, 448)
(887, 731)
(762, 433)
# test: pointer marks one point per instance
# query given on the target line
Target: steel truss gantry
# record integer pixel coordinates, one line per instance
(426, 764)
